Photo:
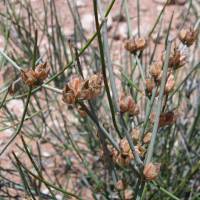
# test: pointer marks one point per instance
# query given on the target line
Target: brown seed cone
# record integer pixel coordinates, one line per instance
(92, 87)
(165, 119)
(134, 45)
(124, 146)
(140, 43)
(147, 138)
(127, 104)
(123, 160)
(150, 85)
(123, 103)
(156, 69)
(133, 108)
(140, 149)
(188, 36)
(30, 78)
(151, 171)
(135, 135)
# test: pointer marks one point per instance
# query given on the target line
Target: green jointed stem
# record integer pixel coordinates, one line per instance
(104, 67)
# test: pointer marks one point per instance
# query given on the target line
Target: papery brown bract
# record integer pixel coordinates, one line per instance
(140, 150)
(68, 95)
(42, 71)
(169, 86)
(95, 83)
(75, 84)
(33, 78)
(86, 92)
(176, 59)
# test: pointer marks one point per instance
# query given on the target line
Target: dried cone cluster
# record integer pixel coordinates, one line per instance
(125, 156)
(176, 59)
(167, 118)
(134, 45)
(156, 70)
(33, 78)
(78, 89)
(127, 104)
(151, 171)
(156, 76)
(150, 85)
(188, 36)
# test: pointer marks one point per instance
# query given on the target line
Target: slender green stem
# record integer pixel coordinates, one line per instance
(165, 191)
(158, 18)
(186, 179)
(4, 98)
(46, 182)
(141, 71)
(148, 111)
(156, 123)
(35, 166)
(100, 127)
(10, 60)
(138, 17)
(35, 50)
(20, 125)
(159, 106)
(26, 118)
(27, 100)
(104, 67)
(184, 80)
(109, 62)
